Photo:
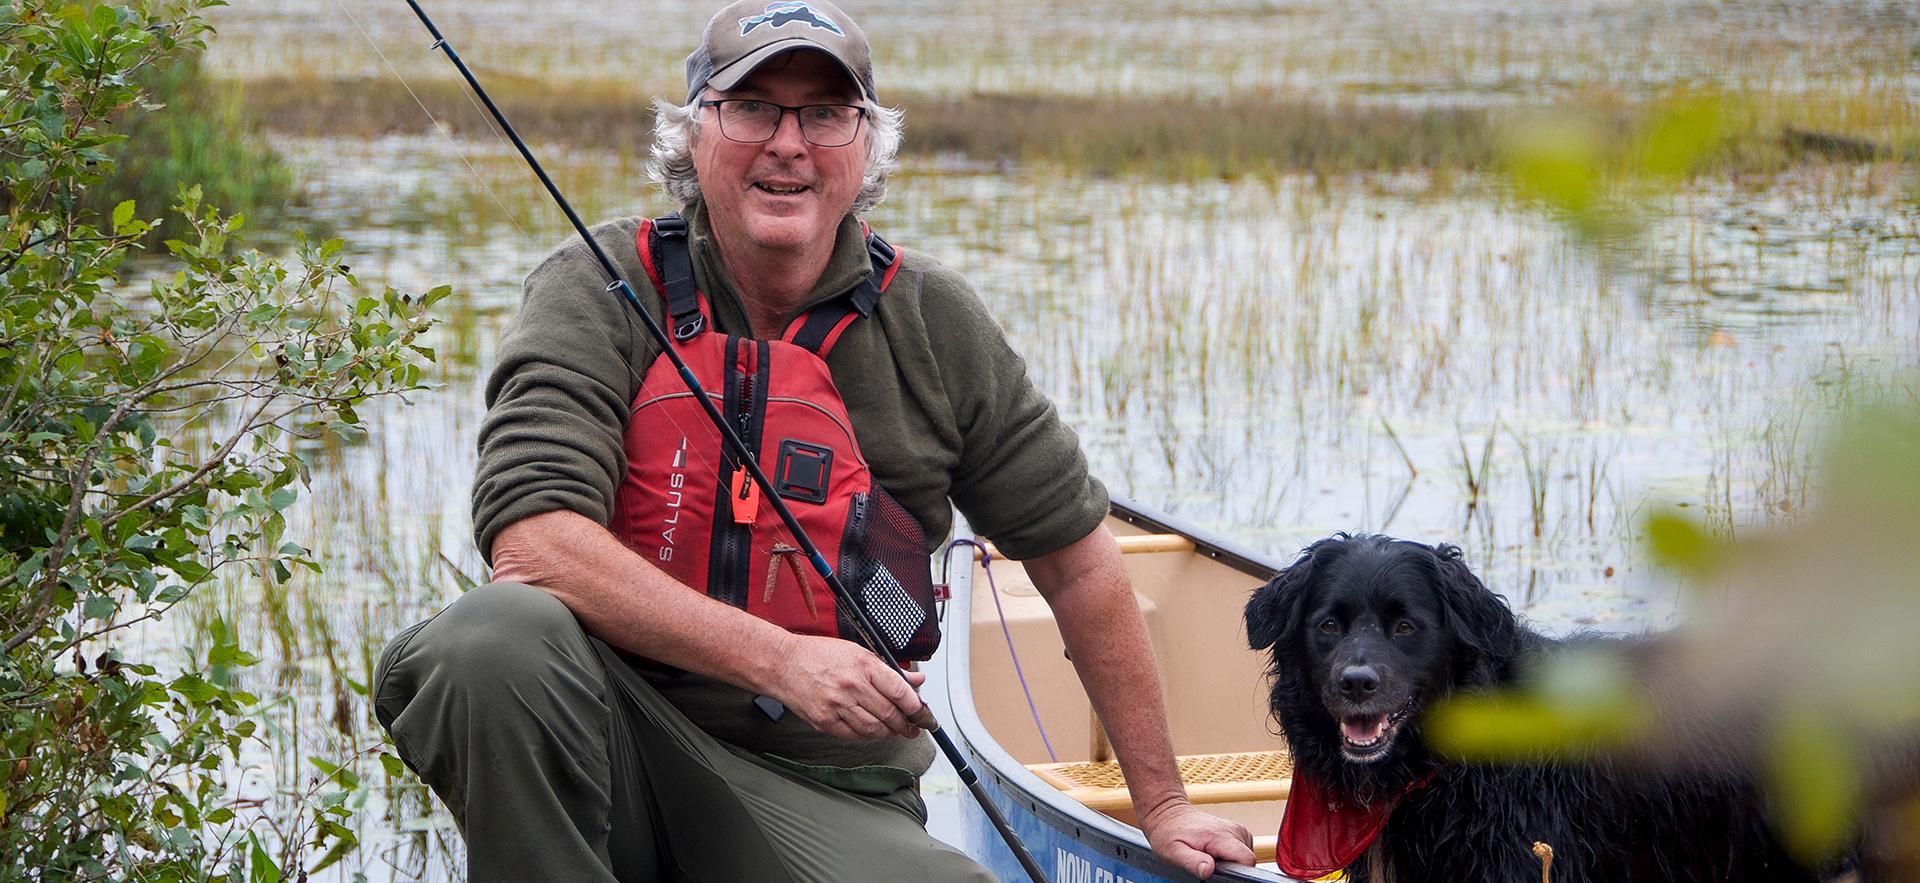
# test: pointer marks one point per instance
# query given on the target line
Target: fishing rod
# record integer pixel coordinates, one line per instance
(864, 623)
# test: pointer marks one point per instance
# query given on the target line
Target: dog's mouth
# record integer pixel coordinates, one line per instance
(1365, 738)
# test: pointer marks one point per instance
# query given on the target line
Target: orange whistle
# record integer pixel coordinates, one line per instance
(746, 497)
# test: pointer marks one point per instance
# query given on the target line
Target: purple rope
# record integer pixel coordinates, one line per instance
(986, 566)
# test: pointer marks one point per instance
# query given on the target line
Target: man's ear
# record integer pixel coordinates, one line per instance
(1274, 612)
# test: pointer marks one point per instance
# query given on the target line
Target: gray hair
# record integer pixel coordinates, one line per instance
(676, 126)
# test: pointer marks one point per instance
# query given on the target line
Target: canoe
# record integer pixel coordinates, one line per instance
(1046, 763)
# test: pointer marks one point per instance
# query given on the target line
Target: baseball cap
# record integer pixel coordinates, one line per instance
(745, 34)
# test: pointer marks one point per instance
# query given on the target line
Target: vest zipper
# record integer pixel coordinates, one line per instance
(735, 556)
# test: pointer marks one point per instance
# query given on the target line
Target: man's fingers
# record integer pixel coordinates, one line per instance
(1237, 848)
(918, 715)
(1196, 862)
(863, 723)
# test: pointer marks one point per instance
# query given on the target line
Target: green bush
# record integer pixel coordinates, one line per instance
(146, 451)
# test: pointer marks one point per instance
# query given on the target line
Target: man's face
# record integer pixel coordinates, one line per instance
(783, 194)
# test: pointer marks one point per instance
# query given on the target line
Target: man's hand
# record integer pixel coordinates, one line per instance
(1191, 839)
(843, 690)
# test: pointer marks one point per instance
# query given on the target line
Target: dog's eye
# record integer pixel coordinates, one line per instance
(1404, 628)
(1329, 627)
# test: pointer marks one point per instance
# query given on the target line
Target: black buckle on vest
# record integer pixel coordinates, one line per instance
(670, 225)
(802, 471)
(689, 328)
(866, 295)
(881, 251)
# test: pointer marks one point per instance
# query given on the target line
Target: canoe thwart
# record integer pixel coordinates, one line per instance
(1210, 778)
(1131, 544)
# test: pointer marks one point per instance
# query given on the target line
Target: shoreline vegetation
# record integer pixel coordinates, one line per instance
(1191, 139)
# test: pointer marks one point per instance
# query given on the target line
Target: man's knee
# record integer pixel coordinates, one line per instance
(500, 635)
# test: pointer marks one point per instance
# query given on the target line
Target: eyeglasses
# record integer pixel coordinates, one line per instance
(823, 125)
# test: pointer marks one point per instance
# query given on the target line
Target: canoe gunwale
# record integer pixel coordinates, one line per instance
(1026, 791)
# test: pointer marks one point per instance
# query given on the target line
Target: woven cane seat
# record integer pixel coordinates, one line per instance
(1210, 778)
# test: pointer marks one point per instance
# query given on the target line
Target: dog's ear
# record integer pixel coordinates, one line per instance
(1275, 609)
(1482, 624)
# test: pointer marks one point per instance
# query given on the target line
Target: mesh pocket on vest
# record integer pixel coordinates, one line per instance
(884, 562)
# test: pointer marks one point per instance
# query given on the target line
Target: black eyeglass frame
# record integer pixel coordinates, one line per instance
(720, 117)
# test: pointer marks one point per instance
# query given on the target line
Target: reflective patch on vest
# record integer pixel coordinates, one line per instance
(676, 480)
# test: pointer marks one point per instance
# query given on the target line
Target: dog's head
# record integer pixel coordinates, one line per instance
(1365, 632)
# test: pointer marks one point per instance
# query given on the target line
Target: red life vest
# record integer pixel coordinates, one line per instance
(690, 508)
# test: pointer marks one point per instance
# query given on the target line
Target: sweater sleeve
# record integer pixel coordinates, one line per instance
(558, 395)
(1021, 480)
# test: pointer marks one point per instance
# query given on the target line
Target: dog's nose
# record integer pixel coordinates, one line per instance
(1357, 682)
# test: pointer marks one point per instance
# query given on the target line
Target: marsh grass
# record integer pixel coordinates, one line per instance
(1165, 137)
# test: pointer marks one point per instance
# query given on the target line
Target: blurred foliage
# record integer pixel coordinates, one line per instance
(1580, 701)
(1596, 181)
(1808, 632)
(146, 450)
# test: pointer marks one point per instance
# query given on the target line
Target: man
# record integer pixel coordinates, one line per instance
(587, 717)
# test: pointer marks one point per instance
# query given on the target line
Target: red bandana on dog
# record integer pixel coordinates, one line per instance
(1321, 834)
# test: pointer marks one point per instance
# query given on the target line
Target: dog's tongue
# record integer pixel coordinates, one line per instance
(1363, 730)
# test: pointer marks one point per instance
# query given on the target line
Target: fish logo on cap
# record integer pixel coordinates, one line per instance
(781, 13)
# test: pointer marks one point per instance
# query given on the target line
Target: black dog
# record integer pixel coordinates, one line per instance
(1367, 632)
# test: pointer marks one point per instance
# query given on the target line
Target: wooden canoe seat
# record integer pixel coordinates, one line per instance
(1210, 778)
(1132, 544)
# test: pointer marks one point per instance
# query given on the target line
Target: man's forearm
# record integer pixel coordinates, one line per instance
(1086, 585)
(621, 598)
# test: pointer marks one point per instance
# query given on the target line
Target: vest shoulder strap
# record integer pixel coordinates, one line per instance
(818, 329)
(669, 260)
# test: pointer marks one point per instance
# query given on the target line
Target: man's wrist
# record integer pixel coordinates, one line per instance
(764, 674)
(1150, 811)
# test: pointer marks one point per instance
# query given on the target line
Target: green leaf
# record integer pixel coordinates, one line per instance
(342, 848)
(336, 773)
(1677, 542)
(393, 765)
(122, 213)
(194, 689)
(282, 498)
(263, 869)
(1815, 782)
(100, 607)
(230, 655)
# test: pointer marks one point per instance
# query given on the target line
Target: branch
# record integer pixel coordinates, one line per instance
(22, 252)
(247, 427)
(36, 613)
(36, 616)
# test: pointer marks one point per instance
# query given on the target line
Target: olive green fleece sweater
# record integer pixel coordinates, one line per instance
(942, 408)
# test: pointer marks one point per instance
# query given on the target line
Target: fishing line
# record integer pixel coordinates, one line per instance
(632, 332)
(436, 122)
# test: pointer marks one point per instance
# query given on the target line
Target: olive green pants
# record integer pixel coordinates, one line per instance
(559, 762)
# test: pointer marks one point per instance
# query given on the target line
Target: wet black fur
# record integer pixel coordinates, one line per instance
(1607, 821)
